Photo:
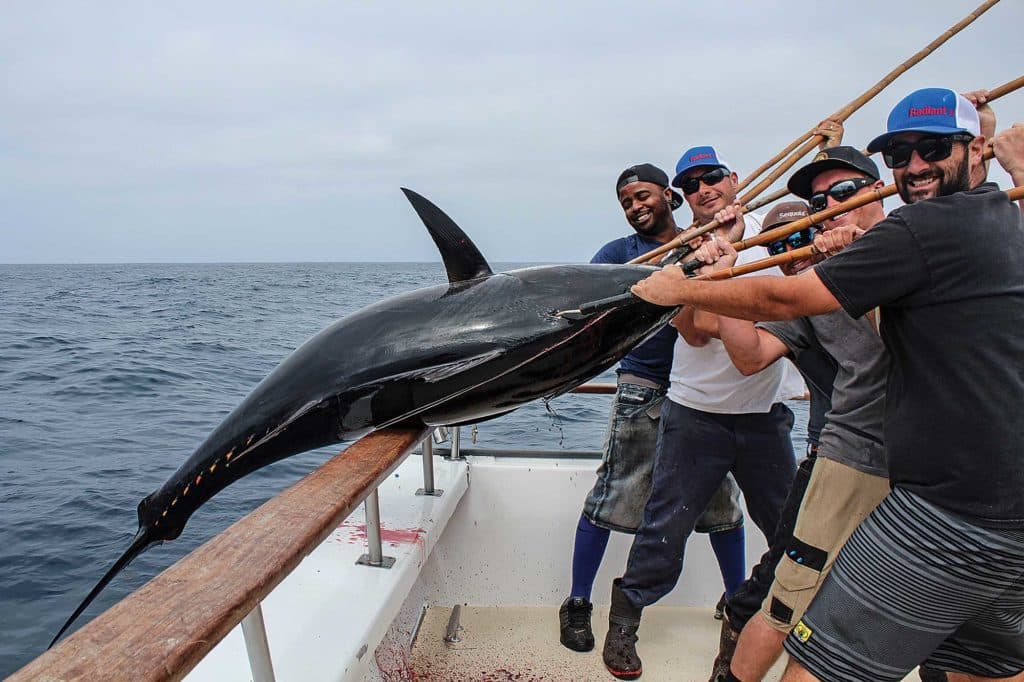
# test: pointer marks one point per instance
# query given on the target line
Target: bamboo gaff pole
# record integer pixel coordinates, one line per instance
(1005, 89)
(810, 140)
(691, 233)
(850, 204)
(1014, 194)
(993, 94)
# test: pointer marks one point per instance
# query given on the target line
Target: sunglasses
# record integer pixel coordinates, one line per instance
(840, 191)
(796, 240)
(931, 148)
(712, 177)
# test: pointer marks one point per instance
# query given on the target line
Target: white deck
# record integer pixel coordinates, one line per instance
(521, 643)
(500, 536)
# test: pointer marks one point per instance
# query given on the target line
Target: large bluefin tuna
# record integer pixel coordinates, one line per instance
(478, 347)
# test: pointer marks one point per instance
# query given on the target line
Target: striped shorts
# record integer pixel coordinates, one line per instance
(917, 584)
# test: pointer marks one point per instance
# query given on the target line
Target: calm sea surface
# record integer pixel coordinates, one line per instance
(111, 375)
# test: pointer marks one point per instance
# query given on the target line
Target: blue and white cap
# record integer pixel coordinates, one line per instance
(695, 157)
(930, 110)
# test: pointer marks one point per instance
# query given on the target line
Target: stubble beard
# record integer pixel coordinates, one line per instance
(957, 181)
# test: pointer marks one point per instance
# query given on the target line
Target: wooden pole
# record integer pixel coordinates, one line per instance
(693, 232)
(1005, 89)
(783, 231)
(813, 140)
(993, 94)
(1014, 194)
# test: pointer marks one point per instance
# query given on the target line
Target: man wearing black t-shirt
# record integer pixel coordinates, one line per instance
(936, 573)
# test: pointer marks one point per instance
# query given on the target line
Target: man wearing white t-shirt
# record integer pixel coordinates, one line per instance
(715, 421)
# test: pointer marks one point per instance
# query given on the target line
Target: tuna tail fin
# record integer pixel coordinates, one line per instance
(140, 543)
(462, 260)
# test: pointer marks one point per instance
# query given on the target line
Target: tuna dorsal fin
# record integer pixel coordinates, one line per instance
(462, 259)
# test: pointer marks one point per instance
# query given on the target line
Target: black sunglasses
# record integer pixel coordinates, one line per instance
(712, 177)
(930, 148)
(796, 240)
(840, 191)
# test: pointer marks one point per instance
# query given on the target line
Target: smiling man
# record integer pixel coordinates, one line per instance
(837, 491)
(623, 484)
(715, 424)
(934, 573)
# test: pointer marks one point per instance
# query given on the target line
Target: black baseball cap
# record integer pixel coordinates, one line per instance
(646, 172)
(828, 159)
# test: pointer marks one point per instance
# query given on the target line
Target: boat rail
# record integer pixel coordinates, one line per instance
(162, 630)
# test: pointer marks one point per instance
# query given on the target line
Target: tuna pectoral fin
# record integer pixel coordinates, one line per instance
(139, 544)
(447, 370)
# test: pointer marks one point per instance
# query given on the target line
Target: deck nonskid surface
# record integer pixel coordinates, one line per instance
(521, 643)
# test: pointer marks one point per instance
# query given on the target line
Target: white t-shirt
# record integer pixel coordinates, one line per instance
(705, 379)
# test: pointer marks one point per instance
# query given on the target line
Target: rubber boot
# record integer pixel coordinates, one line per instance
(726, 648)
(620, 644)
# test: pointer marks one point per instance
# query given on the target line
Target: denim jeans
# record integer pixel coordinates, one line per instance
(695, 451)
(623, 485)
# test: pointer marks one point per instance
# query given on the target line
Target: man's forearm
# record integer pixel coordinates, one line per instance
(748, 298)
(745, 345)
(751, 298)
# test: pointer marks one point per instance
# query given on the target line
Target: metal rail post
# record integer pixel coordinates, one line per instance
(256, 646)
(456, 439)
(428, 469)
(375, 555)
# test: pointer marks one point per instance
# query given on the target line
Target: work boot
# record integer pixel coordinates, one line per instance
(574, 619)
(620, 644)
(726, 648)
(931, 674)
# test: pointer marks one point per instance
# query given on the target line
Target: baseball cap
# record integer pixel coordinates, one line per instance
(646, 172)
(827, 159)
(930, 110)
(785, 212)
(695, 157)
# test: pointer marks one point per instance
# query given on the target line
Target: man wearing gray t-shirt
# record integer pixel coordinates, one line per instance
(849, 478)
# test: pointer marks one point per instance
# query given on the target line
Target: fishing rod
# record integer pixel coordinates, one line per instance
(592, 307)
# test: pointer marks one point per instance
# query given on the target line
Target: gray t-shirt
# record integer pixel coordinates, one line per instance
(853, 428)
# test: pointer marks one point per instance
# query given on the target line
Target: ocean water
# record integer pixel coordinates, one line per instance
(111, 375)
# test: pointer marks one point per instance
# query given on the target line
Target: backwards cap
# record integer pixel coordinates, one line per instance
(646, 172)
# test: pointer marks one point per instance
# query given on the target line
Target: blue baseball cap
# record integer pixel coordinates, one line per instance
(930, 110)
(695, 157)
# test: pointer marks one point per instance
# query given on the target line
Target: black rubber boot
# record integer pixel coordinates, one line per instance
(574, 619)
(726, 648)
(620, 644)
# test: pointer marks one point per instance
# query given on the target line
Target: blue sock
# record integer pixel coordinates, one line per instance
(587, 552)
(730, 550)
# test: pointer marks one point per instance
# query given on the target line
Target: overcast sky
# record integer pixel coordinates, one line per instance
(251, 131)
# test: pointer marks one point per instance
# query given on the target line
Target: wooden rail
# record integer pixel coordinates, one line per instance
(601, 388)
(163, 629)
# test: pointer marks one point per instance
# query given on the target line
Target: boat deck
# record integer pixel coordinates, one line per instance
(521, 643)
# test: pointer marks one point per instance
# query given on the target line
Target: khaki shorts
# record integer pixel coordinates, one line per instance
(837, 499)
